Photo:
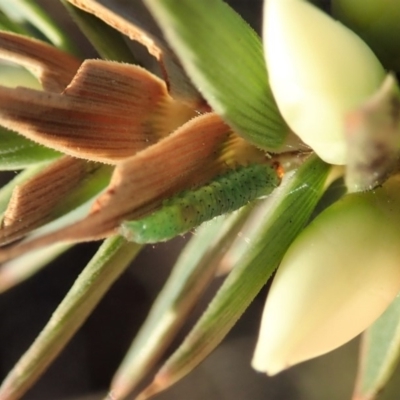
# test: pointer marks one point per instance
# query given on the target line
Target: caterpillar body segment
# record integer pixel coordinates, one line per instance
(190, 208)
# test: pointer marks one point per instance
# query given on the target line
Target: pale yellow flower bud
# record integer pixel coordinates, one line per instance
(337, 277)
(319, 70)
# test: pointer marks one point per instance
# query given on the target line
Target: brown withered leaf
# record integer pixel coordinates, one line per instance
(132, 19)
(52, 67)
(193, 155)
(32, 203)
(107, 113)
(372, 133)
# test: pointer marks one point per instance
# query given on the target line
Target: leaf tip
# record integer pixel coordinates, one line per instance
(120, 388)
(161, 382)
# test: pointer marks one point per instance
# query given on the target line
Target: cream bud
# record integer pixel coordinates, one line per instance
(318, 70)
(337, 277)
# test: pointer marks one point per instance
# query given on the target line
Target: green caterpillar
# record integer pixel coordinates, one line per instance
(189, 209)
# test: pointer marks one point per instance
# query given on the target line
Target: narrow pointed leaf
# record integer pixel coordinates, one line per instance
(6, 24)
(106, 266)
(282, 218)
(130, 18)
(28, 11)
(380, 354)
(192, 272)
(12, 75)
(224, 58)
(108, 112)
(17, 152)
(109, 43)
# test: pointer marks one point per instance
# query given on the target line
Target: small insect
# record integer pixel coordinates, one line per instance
(189, 209)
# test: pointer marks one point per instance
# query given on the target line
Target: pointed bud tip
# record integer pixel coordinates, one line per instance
(267, 365)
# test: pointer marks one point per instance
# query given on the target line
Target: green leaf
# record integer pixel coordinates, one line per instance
(380, 353)
(270, 232)
(224, 58)
(17, 152)
(109, 43)
(12, 75)
(190, 276)
(28, 12)
(110, 261)
(6, 24)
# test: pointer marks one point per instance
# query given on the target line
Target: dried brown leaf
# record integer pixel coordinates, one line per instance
(372, 133)
(32, 203)
(107, 113)
(193, 155)
(52, 67)
(115, 14)
(130, 18)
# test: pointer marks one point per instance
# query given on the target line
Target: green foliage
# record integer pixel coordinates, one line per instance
(224, 58)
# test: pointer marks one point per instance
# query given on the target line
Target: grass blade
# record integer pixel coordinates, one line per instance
(109, 262)
(224, 58)
(193, 271)
(380, 353)
(285, 214)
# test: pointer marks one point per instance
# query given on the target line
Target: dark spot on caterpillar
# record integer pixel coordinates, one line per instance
(189, 209)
